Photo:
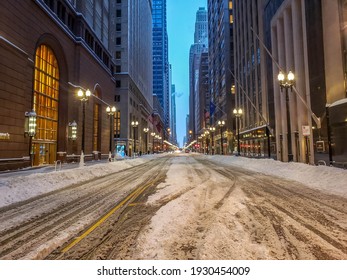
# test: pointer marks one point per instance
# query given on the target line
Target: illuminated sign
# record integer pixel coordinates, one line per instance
(4, 136)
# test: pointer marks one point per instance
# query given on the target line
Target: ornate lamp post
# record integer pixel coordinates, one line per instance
(286, 82)
(221, 124)
(111, 111)
(145, 130)
(207, 134)
(83, 96)
(134, 124)
(157, 137)
(153, 136)
(238, 113)
(212, 129)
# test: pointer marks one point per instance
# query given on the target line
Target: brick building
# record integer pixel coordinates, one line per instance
(48, 52)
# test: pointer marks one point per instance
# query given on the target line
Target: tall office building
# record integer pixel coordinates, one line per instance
(309, 39)
(255, 123)
(133, 72)
(200, 44)
(221, 63)
(203, 104)
(161, 86)
(173, 125)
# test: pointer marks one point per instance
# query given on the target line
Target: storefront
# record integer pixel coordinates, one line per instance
(256, 143)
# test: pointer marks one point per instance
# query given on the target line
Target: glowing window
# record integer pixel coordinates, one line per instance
(46, 93)
(230, 5)
(117, 124)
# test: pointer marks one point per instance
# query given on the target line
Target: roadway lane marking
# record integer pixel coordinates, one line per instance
(135, 194)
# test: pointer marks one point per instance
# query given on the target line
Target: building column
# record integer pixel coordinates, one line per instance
(277, 102)
(289, 52)
(300, 74)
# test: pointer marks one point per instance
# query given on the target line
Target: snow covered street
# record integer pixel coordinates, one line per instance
(176, 207)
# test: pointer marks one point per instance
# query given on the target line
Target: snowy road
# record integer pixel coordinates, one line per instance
(178, 207)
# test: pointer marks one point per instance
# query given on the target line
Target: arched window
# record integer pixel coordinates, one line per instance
(46, 100)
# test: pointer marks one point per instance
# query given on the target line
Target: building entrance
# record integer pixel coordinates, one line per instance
(44, 153)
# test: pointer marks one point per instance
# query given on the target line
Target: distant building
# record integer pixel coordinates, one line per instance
(200, 45)
(173, 115)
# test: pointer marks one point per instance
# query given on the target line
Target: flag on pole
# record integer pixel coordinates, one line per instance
(212, 108)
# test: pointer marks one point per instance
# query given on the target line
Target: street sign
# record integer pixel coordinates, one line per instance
(306, 130)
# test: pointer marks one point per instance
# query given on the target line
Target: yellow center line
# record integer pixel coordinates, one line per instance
(135, 194)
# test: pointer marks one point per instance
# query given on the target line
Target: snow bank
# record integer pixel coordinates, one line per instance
(21, 187)
(329, 179)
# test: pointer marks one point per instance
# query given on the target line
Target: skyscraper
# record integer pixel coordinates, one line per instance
(221, 62)
(133, 71)
(173, 115)
(161, 87)
(249, 71)
(200, 44)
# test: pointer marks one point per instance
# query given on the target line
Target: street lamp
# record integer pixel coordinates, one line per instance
(30, 130)
(83, 96)
(212, 129)
(207, 134)
(157, 144)
(238, 113)
(287, 82)
(110, 112)
(134, 124)
(145, 130)
(221, 124)
(153, 135)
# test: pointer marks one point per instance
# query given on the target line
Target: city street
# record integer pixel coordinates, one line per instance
(179, 206)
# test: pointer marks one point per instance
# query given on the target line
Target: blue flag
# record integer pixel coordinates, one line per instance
(212, 108)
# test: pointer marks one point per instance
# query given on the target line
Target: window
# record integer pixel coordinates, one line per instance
(119, 1)
(61, 11)
(116, 124)
(118, 84)
(46, 93)
(118, 26)
(118, 69)
(118, 55)
(45, 102)
(88, 38)
(118, 13)
(118, 41)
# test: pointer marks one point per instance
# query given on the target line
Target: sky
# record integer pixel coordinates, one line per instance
(180, 27)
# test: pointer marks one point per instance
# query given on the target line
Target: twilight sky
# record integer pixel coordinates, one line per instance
(180, 26)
